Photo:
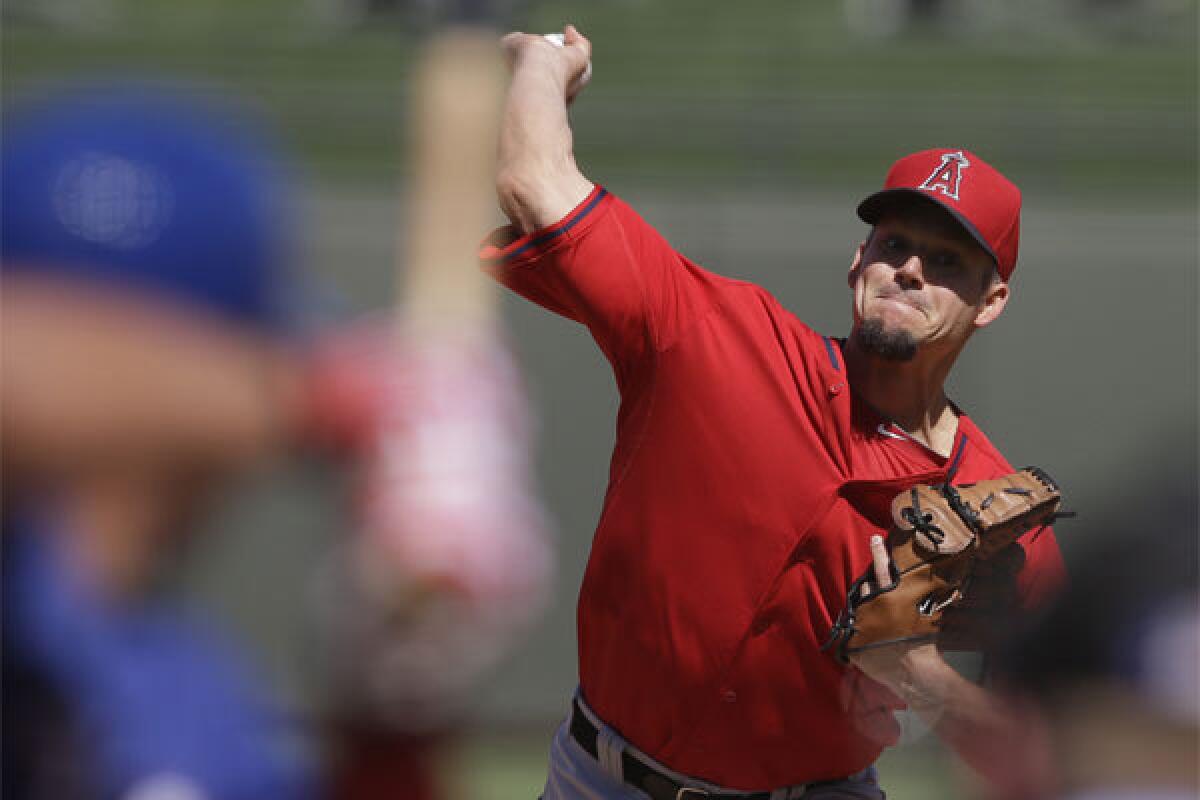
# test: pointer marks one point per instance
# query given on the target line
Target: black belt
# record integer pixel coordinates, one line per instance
(641, 775)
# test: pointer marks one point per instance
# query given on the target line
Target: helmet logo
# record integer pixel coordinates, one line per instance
(112, 201)
(948, 175)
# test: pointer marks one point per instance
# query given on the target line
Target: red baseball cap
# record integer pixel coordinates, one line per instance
(984, 202)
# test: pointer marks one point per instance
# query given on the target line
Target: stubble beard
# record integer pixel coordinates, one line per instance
(895, 345)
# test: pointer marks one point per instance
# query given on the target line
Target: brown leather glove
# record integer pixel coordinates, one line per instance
(938, 537)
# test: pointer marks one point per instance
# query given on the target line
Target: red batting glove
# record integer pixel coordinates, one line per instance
(440, 427)
(447, 491)
(451, 560)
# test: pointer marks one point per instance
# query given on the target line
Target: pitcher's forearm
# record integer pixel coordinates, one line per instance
(537, 180)
(971, 720)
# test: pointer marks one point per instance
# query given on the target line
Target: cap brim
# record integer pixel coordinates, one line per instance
(874, 207)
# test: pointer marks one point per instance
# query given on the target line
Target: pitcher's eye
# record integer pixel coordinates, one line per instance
(946, 259)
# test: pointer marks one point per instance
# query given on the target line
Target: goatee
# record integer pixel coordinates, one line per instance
(873, 338)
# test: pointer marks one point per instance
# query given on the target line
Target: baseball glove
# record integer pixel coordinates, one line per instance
(939, 534)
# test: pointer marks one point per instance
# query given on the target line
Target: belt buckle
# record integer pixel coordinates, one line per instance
(686, 791)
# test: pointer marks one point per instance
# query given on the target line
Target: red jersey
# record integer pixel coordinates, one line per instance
(745, 484)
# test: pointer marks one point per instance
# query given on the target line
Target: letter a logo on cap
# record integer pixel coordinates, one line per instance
(948, 175)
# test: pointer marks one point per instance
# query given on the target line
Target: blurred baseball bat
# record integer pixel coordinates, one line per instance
(455, 113)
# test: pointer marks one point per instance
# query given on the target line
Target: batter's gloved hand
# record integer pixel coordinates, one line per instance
(450, 557)
(438, 430)
(941, 536)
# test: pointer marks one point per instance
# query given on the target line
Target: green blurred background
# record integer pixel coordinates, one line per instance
(747, 132)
